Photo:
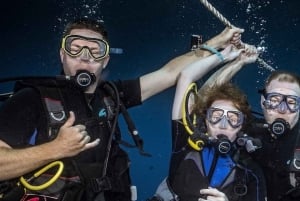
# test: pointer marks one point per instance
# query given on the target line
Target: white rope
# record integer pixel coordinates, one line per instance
(265, 65)
(216, 13)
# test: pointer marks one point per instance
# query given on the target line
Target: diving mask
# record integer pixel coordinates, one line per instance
(281, 102)
(235, 118)
(76, 45)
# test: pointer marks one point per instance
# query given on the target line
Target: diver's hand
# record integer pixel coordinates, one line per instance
(226, 37)
(236, 40)
(230, 53)
(248, 55)
(71, 140)
(212, 194)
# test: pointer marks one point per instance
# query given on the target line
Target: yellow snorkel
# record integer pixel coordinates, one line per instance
(194, 141)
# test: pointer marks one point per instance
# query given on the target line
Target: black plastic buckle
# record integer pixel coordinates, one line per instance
(100, 184)
(240, 189)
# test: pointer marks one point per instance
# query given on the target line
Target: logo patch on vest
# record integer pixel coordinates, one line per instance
(102, 113)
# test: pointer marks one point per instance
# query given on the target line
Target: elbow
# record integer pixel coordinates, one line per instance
(184, 77)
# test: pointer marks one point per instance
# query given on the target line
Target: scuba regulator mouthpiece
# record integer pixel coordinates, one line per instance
(198, 140)
(222, 144)
(84, 79)
(279, 127)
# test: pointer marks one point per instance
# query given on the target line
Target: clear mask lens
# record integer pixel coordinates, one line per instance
(234, 117)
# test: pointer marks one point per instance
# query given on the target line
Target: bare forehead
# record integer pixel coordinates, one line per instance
(284, 87)
(86, 33)
(224, 104)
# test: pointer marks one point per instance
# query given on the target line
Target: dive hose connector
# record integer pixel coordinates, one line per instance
(196, 144)
(197, 140)
(250, 144)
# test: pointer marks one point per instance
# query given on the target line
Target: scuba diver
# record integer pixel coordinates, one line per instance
(279, 133)
(210, 159)
(59, 138)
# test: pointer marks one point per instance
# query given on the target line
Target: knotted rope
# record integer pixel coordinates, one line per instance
(216, 13)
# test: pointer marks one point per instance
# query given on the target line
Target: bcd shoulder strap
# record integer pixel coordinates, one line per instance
(58, 98)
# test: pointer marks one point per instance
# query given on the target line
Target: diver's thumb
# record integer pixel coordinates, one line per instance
(240, 30)
(71, 120)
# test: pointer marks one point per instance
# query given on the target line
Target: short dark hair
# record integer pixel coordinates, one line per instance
(86, 23)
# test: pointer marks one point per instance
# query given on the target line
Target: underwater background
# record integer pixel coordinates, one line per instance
(150, 32)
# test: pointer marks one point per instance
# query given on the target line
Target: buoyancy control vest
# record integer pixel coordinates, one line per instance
(101, 173)
(280, 159)
(199, 170)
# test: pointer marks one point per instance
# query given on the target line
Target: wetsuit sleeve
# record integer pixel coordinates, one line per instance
(179, 135)
(130, 92)
(19, 117)
(179, 146)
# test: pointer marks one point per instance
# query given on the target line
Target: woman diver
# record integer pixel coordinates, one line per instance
(210, 158)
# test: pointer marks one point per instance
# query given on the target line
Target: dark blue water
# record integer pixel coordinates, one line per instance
(150, 33)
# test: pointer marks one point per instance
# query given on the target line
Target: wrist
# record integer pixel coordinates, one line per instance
(216, 42)
(213, 51)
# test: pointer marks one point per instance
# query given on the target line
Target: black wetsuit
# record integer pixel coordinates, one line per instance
(275, 157)
(23, 115)
(239, 178)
